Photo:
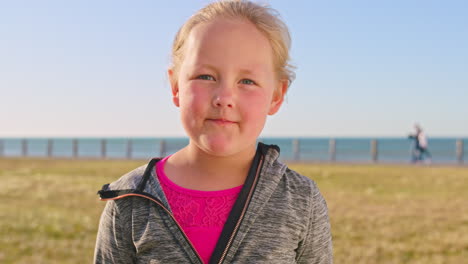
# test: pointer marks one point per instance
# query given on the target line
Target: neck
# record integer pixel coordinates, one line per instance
(195, 169)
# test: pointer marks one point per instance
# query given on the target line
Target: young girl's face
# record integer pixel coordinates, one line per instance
(226, 86)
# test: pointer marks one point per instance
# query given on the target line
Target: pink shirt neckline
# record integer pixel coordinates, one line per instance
(164, 179)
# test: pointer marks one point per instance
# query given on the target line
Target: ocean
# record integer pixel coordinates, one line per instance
(389, 150)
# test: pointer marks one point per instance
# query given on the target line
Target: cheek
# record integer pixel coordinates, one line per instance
(193, 102)
(255, 109)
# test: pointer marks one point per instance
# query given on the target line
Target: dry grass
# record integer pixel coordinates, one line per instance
(49, 210)
(395, 214)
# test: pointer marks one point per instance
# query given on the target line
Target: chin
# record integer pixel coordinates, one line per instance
(221, 147)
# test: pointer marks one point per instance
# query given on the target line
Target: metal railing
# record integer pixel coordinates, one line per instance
(161, 148)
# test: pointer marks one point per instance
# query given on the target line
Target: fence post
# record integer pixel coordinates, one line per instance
(296, 148)
(103, 148)
(2, 148)
(332, 150)
(162, 148)
(75, 148)
(50, 146)
(24, 147)
(129, 148)
(374, 150)
(460, 151)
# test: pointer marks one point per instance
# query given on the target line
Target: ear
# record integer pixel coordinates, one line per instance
(278, 96)
(174, 87)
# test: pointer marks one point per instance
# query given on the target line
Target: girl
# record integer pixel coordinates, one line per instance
(222, 198)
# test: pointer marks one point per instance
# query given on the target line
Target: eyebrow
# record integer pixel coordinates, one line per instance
(213, 68)
(208, 66)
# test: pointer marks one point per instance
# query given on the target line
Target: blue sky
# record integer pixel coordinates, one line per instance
(364, 68)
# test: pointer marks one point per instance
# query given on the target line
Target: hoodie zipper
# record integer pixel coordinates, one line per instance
(167, 211)
(249, 197)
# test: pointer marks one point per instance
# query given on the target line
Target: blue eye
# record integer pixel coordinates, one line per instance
(206, 77)
(247, 81)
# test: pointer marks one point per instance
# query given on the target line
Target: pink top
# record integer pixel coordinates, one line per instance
(201, 214)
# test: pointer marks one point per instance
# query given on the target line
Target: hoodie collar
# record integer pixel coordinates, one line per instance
(143, 180)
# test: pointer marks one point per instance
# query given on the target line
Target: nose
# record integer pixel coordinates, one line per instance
(223, 97)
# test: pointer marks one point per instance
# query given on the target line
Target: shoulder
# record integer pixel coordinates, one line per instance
(293, 187)
(299, 182)
(297, 177)
(304, 189)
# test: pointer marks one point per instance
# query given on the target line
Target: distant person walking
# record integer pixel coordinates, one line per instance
(419, 150)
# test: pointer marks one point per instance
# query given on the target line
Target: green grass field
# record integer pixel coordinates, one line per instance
(49, 210)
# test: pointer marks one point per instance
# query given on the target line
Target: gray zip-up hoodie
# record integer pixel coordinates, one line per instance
(279, 217)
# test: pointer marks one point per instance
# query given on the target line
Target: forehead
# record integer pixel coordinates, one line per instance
(229, 43)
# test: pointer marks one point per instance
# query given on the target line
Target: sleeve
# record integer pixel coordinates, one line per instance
(114, 241)
(317, 245)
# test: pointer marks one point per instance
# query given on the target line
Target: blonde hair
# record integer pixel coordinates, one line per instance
(266, 20)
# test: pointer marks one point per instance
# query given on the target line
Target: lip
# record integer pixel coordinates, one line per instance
(221, 121)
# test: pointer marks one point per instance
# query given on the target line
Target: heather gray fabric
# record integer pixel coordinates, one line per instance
(286, 222)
